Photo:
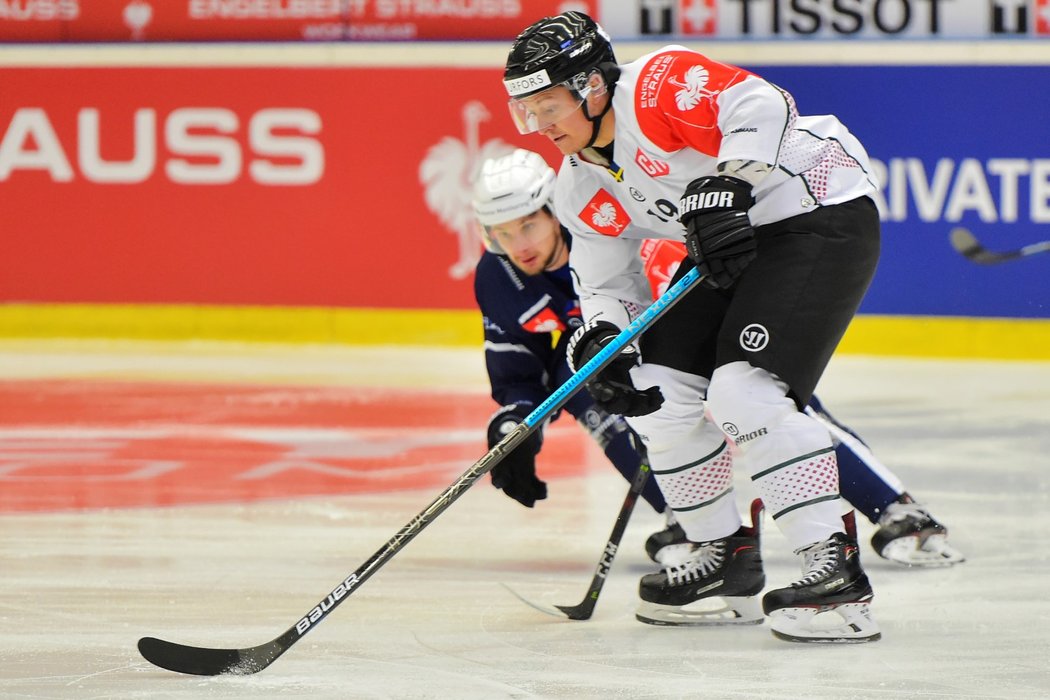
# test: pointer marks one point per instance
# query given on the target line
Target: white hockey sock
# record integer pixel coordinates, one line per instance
(788, 454)
(689, 457)
(802, 495)
(698, 491)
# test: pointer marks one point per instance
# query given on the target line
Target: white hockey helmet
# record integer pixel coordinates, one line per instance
(510, 187)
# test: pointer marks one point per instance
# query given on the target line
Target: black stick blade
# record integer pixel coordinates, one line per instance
(545, 609)
(583, 611)
(967, 245)
(201, 661)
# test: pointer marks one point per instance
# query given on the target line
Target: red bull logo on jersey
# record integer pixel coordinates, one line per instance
(605, 215)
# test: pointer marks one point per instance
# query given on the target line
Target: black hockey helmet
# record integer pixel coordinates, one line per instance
(562, 50)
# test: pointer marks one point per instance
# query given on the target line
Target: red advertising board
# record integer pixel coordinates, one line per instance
(330, 186)
(27, 20)
(452, 19)
(203, 20)
(269, 20)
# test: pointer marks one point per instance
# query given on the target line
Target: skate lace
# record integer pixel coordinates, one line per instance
(706, 559)
(898, 512)
(819, 560)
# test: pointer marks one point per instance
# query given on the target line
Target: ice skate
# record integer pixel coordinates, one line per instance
(717, 585)
(910, 536)
(669, 546)
(830, 603)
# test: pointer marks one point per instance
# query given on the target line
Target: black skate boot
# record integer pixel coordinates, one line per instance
(909, 535)
(669, 546)
(832, 582)
(719, 582)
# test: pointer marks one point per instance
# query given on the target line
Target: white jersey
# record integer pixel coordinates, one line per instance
(678, 116)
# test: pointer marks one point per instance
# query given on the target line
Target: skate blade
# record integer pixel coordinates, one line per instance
(709, 612)
(546, 609)
(848, 623)
(931, 552)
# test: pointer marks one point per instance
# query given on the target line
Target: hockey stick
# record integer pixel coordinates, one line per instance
(585, 608)
(969, 247)
(204, 661)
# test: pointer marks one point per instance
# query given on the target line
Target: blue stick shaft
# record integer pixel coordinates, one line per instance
(567, 390)
(206, 661)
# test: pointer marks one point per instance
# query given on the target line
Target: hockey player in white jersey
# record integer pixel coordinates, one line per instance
(523, 288)
(775, 212)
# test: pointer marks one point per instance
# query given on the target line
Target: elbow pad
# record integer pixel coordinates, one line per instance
(750, 171)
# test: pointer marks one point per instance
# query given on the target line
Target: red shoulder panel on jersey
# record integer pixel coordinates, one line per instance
(676, 100)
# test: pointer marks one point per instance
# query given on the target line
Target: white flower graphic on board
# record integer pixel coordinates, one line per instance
(447, 174)
(138, 14)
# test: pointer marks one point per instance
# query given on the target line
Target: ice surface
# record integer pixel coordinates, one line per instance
(971, 439)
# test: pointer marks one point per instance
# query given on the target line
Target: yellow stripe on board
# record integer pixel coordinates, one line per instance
(949, 336)
(281, 324)
(914, 336)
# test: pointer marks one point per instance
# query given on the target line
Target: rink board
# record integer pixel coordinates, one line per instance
(169, 193)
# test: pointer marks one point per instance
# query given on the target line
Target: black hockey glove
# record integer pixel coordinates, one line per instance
(719, 236)
(611, 388)
(516, 474)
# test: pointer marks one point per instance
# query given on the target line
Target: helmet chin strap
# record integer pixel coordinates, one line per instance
(610, 73)
(596, 122)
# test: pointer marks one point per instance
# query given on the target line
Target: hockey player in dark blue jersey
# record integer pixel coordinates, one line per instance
(524, 288)
(526, 296)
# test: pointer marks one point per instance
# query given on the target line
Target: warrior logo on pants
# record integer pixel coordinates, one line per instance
(754, 337)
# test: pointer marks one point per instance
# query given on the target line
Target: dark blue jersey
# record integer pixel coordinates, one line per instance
(526, 319)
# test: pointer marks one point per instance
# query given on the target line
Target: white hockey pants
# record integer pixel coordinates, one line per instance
(787, 454)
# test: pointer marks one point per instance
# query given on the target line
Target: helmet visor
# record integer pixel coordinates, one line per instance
(541, 110)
